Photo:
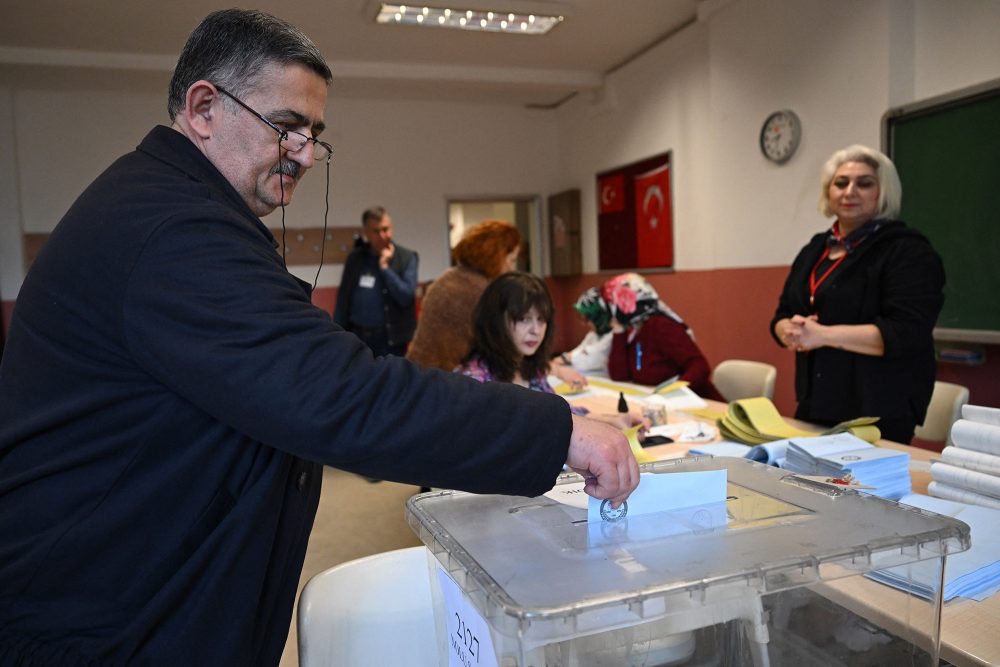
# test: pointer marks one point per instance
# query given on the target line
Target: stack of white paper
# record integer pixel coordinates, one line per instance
(969, 471)
(972, 574)
(724, 448)
(887, 470)
(772, 453)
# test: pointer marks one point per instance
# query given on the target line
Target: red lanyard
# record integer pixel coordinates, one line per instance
(813, 283)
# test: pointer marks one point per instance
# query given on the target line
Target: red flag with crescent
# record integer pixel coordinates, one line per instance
(611, 193)
(654, 218)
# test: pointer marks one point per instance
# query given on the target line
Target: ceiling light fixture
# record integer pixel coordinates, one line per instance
(466, 19)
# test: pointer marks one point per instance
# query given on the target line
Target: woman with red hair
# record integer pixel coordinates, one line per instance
(444, 330)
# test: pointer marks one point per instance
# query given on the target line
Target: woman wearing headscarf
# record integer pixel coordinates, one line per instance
(444, 329)
(591, 355)
(650, 342)
(860, 303)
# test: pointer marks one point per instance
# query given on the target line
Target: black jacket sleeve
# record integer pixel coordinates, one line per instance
(270, 365)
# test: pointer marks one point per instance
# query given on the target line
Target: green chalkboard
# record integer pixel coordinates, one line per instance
(947, 151)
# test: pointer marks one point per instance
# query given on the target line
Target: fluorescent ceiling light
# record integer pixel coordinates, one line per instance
(467, 19)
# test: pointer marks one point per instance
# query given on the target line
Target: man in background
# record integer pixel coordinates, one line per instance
(377, 296)
(169, 394)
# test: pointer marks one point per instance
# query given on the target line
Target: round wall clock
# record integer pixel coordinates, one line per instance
(780, 136)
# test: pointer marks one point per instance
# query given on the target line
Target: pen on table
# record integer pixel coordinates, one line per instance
(622, 405)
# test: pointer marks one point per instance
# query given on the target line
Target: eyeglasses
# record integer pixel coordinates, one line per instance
(290, 140)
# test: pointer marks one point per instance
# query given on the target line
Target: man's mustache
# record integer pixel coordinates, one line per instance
(287, 168)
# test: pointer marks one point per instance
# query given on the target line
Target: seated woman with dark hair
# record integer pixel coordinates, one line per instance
(651, 344)
(512, 339)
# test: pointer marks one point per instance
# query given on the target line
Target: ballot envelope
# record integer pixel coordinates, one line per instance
(773, 576)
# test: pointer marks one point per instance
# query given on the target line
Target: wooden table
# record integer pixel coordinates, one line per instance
(970, 630)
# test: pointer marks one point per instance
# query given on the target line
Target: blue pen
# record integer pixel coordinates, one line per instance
(638, 356)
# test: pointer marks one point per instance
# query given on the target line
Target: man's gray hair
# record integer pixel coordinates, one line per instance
(232, 47)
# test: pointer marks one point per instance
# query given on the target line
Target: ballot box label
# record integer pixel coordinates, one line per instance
(469, 640)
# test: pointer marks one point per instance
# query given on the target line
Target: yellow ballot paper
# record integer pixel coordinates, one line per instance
(711, 414)
(761, 415)
(641, 455)
(623, 387)
(566, 389)
(667, 388)
(755, 421)
(862, 427)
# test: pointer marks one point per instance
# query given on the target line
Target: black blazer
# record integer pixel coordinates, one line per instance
(893, 280)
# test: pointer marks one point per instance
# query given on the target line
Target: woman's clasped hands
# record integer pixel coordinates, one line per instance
(801, 333)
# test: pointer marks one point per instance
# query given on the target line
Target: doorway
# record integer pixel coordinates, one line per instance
(523, 211)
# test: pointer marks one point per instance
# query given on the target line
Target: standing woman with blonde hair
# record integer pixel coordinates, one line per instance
(444, 329)
(860, 303)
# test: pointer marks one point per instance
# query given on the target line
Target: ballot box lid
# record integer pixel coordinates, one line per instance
(529, 559)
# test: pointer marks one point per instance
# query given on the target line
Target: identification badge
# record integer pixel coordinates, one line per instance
(367, 281)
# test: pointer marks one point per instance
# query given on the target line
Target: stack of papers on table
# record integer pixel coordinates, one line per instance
(887, 470)
(690, 431)
(972, 574)
(674, 395)
(969, 471)
(772, 453)
(755, 421)
(734, 449)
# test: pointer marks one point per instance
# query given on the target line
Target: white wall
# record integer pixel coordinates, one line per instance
(703, 94)
(409, 157)
(66, 138)
(656, 103)
(826, 61)
(959, 45)
(11, 265)
(412, 157)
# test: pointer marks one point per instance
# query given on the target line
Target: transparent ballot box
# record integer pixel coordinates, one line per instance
(773, 576)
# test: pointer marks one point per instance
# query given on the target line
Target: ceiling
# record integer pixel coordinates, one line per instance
(122, 39)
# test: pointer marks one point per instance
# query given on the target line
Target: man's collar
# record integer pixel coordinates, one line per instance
(173, 148)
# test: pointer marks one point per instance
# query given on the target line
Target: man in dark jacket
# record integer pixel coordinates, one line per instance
(168, 392)
(377, 296)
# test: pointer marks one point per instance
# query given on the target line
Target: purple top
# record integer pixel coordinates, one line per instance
(477, 369)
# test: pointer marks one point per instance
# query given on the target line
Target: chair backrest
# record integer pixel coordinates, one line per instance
(375, 610)
(944, 410)
(738, 378)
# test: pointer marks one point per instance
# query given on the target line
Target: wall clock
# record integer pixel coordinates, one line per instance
(780, 136)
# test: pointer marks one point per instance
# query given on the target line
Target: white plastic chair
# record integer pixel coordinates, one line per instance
(944, 410)
(738, 378)
(375, 610)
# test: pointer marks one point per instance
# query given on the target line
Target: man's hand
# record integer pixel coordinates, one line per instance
(602, 455)
(386, 255)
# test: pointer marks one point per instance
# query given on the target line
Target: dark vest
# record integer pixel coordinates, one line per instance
(400, 321)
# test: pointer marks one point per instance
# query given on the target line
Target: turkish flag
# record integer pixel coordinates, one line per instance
(611, 193)
(654, 232)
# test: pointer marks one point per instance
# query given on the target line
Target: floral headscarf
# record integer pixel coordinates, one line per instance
(592, 306)
(633, 300)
